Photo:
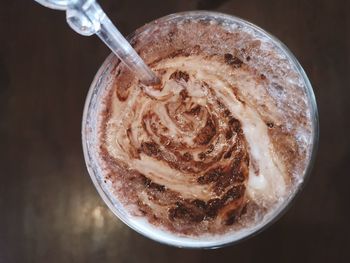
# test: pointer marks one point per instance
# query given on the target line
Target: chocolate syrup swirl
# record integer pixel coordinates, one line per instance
(205, 149)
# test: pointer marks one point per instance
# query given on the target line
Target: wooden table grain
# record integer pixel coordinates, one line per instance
(50, 211)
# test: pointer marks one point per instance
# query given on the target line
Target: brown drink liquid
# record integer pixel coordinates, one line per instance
(220, 144)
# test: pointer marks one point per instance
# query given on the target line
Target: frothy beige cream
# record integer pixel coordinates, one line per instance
(222, 141)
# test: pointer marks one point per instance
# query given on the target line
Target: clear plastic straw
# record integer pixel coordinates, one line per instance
(86, 17)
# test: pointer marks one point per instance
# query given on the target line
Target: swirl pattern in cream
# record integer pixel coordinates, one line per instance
(207, 150)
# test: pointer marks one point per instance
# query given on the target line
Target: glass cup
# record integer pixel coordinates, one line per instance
(90, 136)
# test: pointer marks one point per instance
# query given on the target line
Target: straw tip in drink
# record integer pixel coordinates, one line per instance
(155, 82)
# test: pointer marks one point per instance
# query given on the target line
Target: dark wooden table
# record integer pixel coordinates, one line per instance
(51, 212)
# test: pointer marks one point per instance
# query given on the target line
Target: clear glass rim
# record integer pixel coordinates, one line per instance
(197, 243)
